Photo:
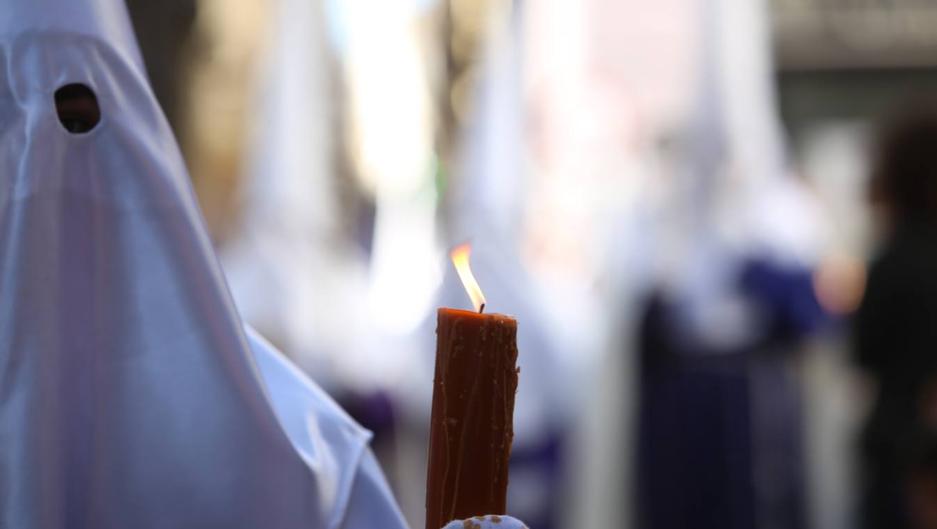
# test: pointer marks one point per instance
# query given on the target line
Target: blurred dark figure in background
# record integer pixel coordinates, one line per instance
(896, 325)
(923, 488)
(720, 420)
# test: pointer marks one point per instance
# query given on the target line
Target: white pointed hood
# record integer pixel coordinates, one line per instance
(741, 200)
(128, 393)
(487, 210)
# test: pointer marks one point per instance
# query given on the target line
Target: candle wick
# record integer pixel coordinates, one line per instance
(481, 309)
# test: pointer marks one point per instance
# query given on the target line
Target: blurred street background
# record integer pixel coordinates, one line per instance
(672, 197)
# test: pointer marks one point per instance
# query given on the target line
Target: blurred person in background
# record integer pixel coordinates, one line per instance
(720, 422)
(895, 329)
(720, 419)
(922, 488)
(487, 200)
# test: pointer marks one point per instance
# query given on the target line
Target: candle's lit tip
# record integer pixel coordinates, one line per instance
(460, 258)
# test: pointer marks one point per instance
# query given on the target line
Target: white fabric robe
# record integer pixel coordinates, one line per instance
(129, 394)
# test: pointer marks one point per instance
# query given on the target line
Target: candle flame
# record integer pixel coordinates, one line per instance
(460, 258)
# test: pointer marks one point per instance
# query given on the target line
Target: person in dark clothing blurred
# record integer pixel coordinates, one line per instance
(716, 417)
(895, 331)
(922, 487)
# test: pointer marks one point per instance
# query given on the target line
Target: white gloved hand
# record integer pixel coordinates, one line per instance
(492, 521)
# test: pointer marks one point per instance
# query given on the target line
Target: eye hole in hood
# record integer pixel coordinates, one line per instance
(77, 108)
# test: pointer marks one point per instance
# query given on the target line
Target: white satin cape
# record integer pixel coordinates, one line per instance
(129, 393)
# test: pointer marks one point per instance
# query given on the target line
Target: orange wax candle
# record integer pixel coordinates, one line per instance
(472, 424)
